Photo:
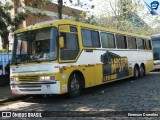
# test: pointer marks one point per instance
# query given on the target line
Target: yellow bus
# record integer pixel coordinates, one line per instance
(64, 56)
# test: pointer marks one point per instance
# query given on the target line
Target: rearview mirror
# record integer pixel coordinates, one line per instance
(61, 42)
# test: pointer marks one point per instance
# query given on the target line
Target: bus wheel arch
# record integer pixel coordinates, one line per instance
(75, 83)
(136, 71)
(142, 70)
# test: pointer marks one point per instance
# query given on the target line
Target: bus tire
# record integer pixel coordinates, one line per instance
(74, 86)
(136, 72)
(142, 71)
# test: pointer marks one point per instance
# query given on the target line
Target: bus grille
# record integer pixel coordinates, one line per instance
(27, 90)
(28, 78)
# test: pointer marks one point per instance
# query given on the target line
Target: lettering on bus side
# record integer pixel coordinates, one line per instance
(119, 64)
(114, 66)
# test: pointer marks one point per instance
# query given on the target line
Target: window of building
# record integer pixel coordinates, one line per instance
(90, 38)
(132, 43)
(121, 42)
(107, 40)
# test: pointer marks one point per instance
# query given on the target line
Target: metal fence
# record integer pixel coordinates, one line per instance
(5, 60)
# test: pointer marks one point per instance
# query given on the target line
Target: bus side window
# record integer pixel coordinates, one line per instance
(140, 43)
(121, 41)
(146, 44)
(150, 46)
(108, 40)
(90, 38)
(71, 49)
(132, 43)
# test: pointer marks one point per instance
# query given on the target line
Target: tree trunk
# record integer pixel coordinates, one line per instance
(60, 5)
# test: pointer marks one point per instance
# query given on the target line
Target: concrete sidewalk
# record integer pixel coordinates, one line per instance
(6, 94)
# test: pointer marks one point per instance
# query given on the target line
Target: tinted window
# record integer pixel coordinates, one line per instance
(140, 43)
(132, 43)
(73, 29)
(107, 40)
(90, 38)
(121, 41)
(148, 44)
(95, 39)
(71, 49)
(70, 41)
(86, 37)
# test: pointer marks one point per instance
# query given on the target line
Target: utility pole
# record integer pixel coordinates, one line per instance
(60, 6)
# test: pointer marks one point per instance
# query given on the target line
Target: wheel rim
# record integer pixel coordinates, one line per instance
(136, 72)
(75, 85)
(142, 71)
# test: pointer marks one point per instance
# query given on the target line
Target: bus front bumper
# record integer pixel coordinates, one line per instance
(49, 87)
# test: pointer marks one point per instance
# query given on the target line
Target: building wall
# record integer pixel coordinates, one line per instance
(38, 12)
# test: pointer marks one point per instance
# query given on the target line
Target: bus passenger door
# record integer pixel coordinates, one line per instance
(71, 49)
(68, 51)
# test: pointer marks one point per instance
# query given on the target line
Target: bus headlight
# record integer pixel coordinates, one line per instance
(42, 78)
(13, 80)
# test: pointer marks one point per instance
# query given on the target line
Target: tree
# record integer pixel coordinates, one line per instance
(124, 15)
(81, 4)
(60, 6)
(8, 23)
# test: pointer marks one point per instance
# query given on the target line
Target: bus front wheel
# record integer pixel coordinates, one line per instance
(74, 86)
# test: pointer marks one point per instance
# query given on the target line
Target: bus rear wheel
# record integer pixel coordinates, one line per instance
(142, 71)
(74, 86)
(136, 72)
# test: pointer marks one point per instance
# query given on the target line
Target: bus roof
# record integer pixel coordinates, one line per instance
(89, 26)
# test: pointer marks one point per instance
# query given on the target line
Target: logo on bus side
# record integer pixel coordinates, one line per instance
(119, 64)
(114, 66)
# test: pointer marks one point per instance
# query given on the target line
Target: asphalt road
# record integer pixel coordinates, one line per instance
(126, 96)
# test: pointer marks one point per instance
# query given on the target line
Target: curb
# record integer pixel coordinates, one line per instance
(13, 98)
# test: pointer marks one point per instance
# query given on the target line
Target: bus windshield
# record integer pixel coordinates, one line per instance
(35, 46)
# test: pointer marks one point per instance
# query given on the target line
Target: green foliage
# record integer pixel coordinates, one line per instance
(5, 19)
(8, 23)
(2, 51)
(122, 15)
